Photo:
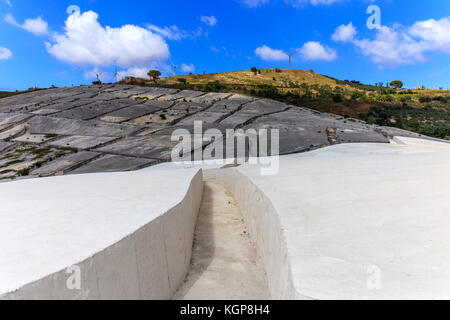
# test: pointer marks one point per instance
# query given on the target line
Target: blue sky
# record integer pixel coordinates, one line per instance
(42, 43)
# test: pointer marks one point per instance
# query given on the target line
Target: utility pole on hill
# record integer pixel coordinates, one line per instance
(174, 70)
(290, 59)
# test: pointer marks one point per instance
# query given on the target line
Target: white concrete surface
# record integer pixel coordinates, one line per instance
(357, 221)
(130, 234)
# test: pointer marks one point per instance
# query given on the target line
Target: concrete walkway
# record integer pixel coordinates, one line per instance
(224, 261)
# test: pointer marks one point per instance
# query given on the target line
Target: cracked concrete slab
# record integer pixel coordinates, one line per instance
(93, 110)
(61, 126)
(114, 163)
(82, 142)
(129, 113)
(64, 164)
(182, 95)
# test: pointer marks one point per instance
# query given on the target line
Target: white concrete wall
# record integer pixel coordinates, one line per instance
(265, 231)
(329, 216)
(150, 262)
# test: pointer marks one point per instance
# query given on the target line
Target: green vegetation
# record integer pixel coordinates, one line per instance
(155, 74)
(397, 84)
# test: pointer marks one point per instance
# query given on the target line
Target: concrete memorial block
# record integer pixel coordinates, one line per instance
(13, 132)
(67, 105)
(61, 126)
(126, 114)
(82, 142)
(183, 95)
(64, 164)
(154, 93)
(151, 146)
(264, 106)
(33, 138)
(5, 145)
(139, 250)
(45, 111)
(94, 110)
(211, 98)
(205, 117)
(10, 118)
(113, 163)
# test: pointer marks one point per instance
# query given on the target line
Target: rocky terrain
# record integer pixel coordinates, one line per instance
(122, 127)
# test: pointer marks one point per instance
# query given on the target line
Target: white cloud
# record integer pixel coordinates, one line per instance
(315, 51)
(134, 72)
(398, 45)
(435, 32)
(344, 33)
(268, 54)
(5, 53)
(253, 3)
(86, 42)
(36, 26)
(210, 21)
(8, 2)
(187, 68)
(173, 32)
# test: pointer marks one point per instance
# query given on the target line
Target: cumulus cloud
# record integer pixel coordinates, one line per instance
(36, 26)
(268, 54)
(209, 20)
(313, 50)
(5, 53)
(187, 68)
(86, 42)
(134, 72)
(344, 33)
(253, 3)
(398, 45)
(174, 32)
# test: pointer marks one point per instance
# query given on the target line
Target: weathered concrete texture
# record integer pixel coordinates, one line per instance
(5, 145)
(64, 164)
(10, 118)
(13, 132)
(378, 231)
(96, 109)
(113, 163)
(129, 113)
(153, 147)
(82, 142)
(33, 138)
(143, 251)
(60, 126)
(182, 95)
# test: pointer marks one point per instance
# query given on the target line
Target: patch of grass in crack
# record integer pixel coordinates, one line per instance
(50, 136)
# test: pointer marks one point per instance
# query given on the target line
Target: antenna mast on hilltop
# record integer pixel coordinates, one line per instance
(116, 74)
(290, 59)
(174, 70)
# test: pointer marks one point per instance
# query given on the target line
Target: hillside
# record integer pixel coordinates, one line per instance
(121, 127)
(423, 111)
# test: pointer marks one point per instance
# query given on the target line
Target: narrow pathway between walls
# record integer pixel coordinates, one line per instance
(224, 263)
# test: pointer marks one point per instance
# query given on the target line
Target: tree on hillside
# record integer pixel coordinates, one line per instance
(154, 75)
(254, 70)
(397, 84)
